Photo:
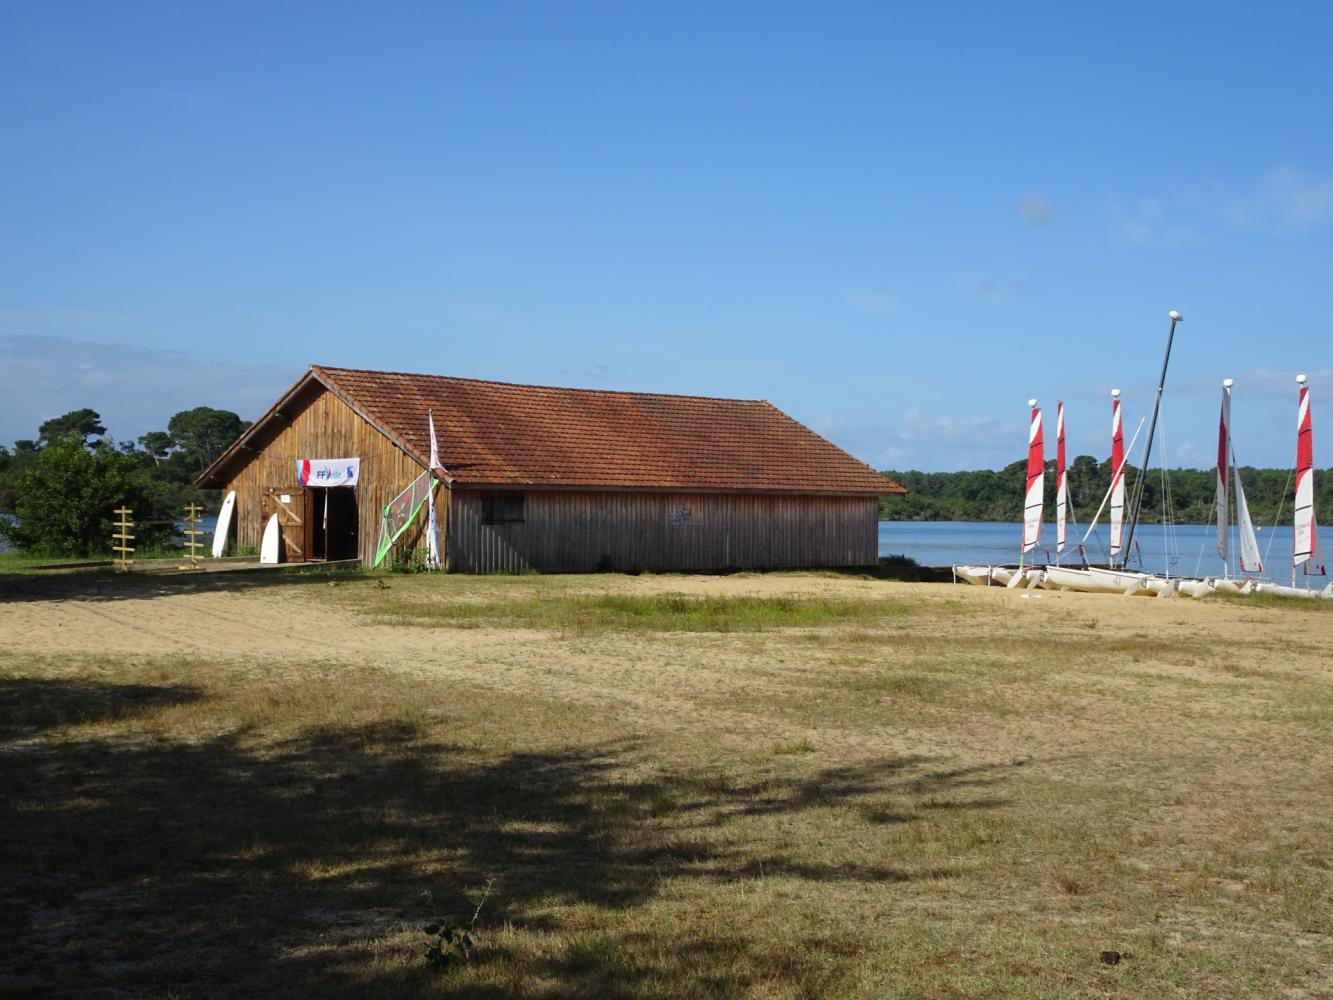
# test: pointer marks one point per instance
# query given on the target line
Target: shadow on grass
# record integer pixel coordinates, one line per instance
(108, 585)
(29, 705)
(230, 866)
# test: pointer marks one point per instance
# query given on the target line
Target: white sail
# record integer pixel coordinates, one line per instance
(1250, 562)
(1305, 520)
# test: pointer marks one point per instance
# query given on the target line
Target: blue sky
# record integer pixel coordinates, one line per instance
(897, 225)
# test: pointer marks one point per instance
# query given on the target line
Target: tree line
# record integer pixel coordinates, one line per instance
(57, 490)
(985, 495)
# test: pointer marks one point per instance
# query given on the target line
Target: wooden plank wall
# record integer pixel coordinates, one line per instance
(585, 531)
(562, 531)
(323, 426)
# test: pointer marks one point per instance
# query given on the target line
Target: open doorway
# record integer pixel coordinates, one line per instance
(333, 516)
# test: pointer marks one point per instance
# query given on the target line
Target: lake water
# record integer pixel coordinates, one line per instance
(206, 525)
(1182, 549)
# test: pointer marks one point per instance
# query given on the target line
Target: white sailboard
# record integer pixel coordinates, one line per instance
(269, 547)
(224, 524)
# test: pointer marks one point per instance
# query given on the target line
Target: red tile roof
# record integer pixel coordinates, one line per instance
(496, 433)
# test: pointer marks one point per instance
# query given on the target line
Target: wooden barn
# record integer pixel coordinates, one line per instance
(562, 480)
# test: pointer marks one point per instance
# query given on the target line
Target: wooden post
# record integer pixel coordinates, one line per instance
(122, 540)
(192, 533)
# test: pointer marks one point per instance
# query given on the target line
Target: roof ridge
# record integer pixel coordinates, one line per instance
(533, 385)
(494, 434)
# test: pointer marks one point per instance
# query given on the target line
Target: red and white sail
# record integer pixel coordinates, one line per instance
(1061, 480)
(1034, 497)
(1306, 549)
(1117, 476)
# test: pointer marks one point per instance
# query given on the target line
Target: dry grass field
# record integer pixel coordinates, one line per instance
(792, 785)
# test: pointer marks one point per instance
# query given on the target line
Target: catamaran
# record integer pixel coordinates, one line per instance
(1104, 580)
(1249, 562)
(1306, 551)
(1034, 500)
(1117, 578)
(1063, 503)
(1307, 556)
(1117, 477)
(1249, 559)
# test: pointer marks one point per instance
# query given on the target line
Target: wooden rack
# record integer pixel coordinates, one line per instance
(192, 534)
(122, 541)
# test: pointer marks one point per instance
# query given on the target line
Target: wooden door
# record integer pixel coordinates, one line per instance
(292, 505)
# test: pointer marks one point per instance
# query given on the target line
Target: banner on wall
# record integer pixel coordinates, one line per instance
(328, 471)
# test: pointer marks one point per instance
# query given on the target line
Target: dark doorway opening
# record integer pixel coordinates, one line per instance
(333, 517)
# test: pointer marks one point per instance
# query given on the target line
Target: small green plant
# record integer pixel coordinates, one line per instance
(411, 561)
(450, 940)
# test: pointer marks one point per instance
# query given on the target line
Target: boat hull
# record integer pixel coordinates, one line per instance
(1278, 590)
(1093, 581)
(983, 576)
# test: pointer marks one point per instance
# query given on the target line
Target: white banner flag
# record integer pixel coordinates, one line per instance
(432, 529)
(328, 471)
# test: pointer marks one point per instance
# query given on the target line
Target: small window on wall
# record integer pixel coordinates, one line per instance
(502, 508)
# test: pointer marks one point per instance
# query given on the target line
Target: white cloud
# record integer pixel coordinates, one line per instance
(1139, 223)
(986, 288)
(1146, 221)
(921, 441)
(1286, 200)
(597, 374)
(1035, 209)
(70, 322)
(1258, 383)
(876, 301)
(134, 389)
(971, 433)
(1188, 456)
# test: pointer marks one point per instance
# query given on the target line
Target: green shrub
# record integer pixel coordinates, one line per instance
(67, 493)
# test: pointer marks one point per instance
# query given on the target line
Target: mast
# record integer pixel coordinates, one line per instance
(1305, 549)
(1061, 482)
(1117, 476)
(1147, 445)
(1110, 489)
(1223, 500)
(1034, 495)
